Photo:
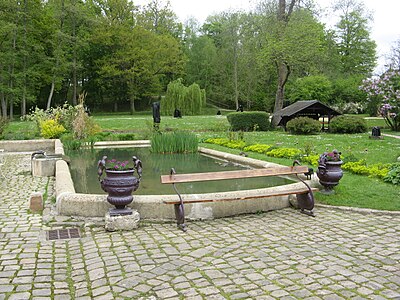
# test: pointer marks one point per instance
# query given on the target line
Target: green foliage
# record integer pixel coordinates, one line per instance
(64, 115)
(357, 49)
(174, 142)
(347, 124)
(393, 176)
(317, 87)
(386, 88)
(189, 100)
(234, 144)
(310, 159)
(361, 168)
(69, 142)
(3, 124)
(259, 148)
(303, 125)
(126, 136)
(284, 153)
(346, 94)
(73, 119)
(249, 121)
(83, 126)
(51, 129)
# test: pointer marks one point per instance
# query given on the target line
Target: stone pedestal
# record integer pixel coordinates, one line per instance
(36, 202)
(126, 222)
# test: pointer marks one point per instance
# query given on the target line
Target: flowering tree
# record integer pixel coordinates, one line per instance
(386, 89)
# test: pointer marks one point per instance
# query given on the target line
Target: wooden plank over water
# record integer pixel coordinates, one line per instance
(208, 176)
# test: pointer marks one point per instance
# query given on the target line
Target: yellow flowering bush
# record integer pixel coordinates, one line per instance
(51, 129)
(284, 152)
(259, 148)
(360, 167)
(310, 159)
(226, 143)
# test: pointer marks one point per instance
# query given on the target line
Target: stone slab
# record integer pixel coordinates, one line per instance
(126, 222)
(36, 202)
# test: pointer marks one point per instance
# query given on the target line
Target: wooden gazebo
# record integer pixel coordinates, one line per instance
(312, 109)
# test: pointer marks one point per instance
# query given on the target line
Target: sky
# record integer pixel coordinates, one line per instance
(385, 27)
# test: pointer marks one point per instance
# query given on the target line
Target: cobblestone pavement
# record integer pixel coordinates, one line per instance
(276, 255)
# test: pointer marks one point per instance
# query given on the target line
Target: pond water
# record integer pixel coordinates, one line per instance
(83, 169)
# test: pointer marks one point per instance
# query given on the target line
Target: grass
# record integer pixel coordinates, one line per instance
(174, 142)
(353, 190)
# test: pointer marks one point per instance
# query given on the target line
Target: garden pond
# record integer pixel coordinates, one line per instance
(83, 167)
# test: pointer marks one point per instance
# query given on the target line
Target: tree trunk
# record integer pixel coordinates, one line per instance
(3, 105)
(132, 102)
(25, 58)
(283, 74)
(12, 69)
(50, 95)
(74, 83)
(74, 65)
(23, 103)
(283, 69)
(235, 75)
(11, 110)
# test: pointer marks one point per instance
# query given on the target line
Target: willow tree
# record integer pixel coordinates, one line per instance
(189, 100)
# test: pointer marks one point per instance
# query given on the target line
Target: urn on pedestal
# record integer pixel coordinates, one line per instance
(329, 171)
(119, 182)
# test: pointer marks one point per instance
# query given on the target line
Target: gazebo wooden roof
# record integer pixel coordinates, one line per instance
(312, 109)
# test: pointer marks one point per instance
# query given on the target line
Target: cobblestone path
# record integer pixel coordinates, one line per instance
(276, 255)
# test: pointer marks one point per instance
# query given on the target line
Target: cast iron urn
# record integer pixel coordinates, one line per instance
(329, 170)
(119, 182)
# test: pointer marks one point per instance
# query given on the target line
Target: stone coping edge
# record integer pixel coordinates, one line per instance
(360, 210)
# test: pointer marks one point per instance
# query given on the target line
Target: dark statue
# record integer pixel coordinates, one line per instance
(177, 113)
(156, 112)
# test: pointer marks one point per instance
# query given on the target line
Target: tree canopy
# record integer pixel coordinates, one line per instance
(124, 56)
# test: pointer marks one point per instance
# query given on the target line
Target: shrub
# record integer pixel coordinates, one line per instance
(393, 176)
(284, 153)
(69, 142)
(259, 148)
(83, 126)
(249, 121)
(51, 129)
(303, 125)
(360, 167)
(310, 159)
(347, 124)
(126, 137)
(63, 115)
(174, 142)
(234, 144)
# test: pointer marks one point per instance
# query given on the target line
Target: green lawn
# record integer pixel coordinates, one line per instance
(353, 190)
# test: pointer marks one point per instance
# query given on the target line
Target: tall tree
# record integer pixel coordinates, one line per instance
(356, 49)
(157, 16)
(9, 16)
(225, 30)
(285, 10)
(294, 40)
